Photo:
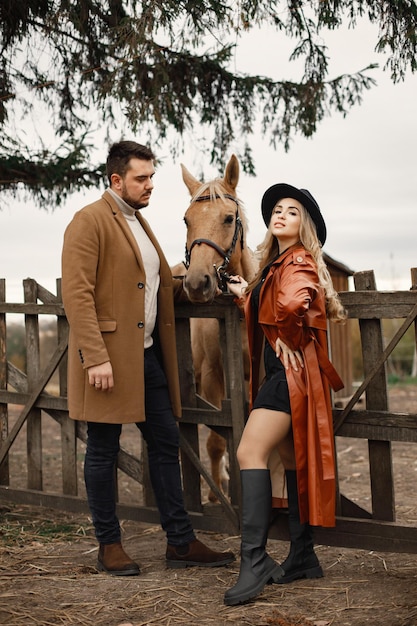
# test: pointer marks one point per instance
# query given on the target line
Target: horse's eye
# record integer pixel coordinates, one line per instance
(185, 221)
(229, 219)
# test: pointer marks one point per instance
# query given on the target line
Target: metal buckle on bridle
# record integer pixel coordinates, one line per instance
(222, 275)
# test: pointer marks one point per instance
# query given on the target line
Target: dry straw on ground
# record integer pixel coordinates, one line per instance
(47, 577)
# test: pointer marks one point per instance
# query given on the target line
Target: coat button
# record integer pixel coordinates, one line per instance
(141, 285)
(299, 259)
(141, 324)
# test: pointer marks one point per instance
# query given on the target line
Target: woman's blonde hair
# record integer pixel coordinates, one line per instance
(268, 251)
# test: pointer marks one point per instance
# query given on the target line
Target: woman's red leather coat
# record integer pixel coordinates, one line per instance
(292, 307)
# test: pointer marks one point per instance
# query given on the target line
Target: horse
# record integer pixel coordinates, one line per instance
(215, 249)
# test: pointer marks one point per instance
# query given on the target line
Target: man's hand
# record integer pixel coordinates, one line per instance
(101, 376)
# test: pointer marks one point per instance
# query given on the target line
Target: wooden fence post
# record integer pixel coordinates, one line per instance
(414, 288)
(234, 374)
(4, 421)
(68, 426)
(380, 454)
(190, 476)
(33, 421)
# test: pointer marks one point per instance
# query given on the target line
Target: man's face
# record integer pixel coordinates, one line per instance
(136, 186)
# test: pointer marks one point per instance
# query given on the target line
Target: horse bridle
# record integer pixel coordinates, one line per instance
(222, 275)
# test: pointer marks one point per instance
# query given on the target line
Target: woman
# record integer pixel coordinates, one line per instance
(287, 304)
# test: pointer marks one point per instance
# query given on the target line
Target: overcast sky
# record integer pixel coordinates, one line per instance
(361, 169)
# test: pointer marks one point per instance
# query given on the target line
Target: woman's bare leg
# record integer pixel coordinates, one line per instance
(265, 431)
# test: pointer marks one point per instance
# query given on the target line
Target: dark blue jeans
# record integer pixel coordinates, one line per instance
(160, 432)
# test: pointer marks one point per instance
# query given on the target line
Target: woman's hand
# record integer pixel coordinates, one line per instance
(237, 286)
(290, 357)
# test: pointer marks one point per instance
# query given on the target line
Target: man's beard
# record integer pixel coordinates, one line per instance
(135, 205)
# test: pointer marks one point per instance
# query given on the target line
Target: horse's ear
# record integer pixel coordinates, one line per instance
(231, 173)
(192, 183)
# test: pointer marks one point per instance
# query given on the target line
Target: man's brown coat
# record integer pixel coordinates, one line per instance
(103, 289)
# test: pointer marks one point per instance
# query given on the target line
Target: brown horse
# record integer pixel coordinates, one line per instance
(216, 247)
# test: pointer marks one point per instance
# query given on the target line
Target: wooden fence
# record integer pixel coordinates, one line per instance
(25, 393)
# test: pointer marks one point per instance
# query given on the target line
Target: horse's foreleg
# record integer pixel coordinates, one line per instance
(216, 448)
(208, 368)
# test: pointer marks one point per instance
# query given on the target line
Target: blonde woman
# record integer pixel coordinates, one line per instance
(286, 309)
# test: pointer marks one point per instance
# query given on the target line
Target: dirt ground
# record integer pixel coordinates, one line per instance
(47, 573)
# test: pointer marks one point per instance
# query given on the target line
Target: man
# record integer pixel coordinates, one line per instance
(118, 295)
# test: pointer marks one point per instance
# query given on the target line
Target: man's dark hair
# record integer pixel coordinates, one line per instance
(120, 154)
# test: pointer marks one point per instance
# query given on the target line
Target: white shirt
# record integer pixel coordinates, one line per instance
(151, 262)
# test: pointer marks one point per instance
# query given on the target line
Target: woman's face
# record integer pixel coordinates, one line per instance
(285, 222)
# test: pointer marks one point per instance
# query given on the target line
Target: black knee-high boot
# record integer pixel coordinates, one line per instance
(302, 561)
(257, 568)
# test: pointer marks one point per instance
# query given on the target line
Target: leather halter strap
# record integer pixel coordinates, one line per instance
(226, 254)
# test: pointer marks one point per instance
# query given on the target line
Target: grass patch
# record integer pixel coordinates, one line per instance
(394, 380)
(17, 528)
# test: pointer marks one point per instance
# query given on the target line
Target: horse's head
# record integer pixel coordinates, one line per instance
(216, 228)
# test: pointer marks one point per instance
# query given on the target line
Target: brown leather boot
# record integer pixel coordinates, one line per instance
(113, 560)
(196, 554)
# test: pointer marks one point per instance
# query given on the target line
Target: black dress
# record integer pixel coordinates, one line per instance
(273, 393)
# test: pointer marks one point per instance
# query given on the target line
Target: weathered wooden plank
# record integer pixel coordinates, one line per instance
(127, 462)
(49, 370)
(380, 457)
(365, 534)
(33, 419)
(44, 400)
(47, 297)
(372, 304)
(376, 364)
(210, 417)
(31, 308)
(69, 457)
(68, 428)
(350, 533)
(191, 472)
(228, 509)
(4, 420)
(361, 424)
(16, 378)
(188, 430)
(348, 508)
(235, 377)
(211, 519)
(219, 309)
(130, 465)
(378, 425)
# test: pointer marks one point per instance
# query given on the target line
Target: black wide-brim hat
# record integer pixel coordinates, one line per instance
(282, 190)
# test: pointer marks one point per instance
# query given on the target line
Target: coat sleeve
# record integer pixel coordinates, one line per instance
(297, 289)
(80, 255)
